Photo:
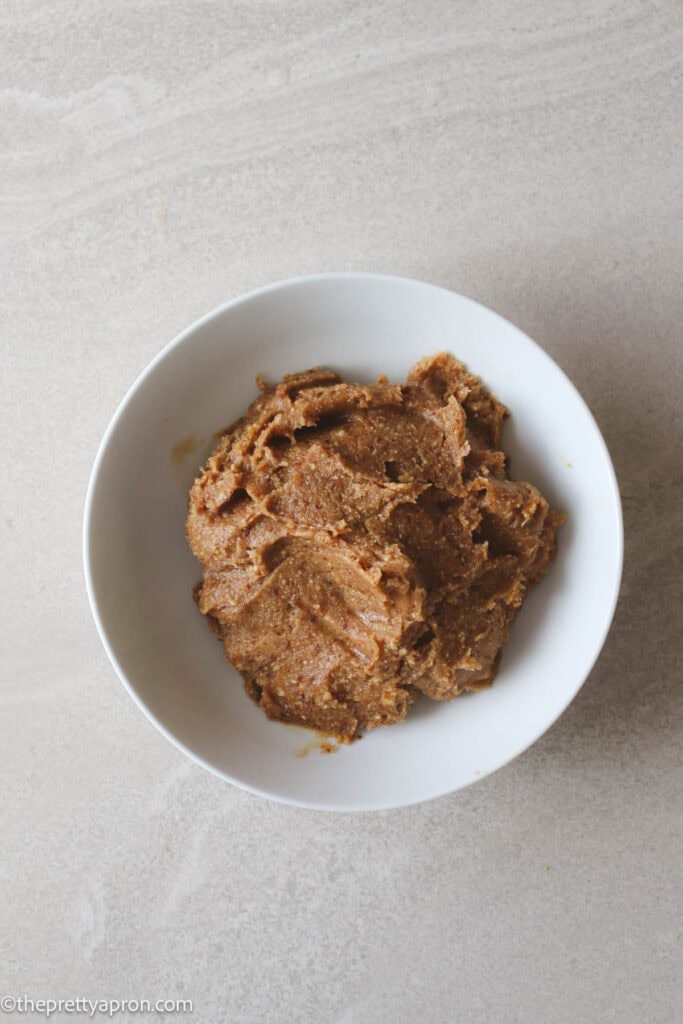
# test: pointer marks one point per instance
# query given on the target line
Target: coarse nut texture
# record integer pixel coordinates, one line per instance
(363, 544)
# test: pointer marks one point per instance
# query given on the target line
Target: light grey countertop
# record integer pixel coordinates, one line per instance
(158, 159)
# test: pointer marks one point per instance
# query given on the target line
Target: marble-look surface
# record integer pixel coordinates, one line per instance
(157, 159)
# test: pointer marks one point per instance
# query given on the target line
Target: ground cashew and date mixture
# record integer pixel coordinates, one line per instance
(363, 544)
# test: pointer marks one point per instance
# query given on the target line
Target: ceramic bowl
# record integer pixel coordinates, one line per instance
(140, 572)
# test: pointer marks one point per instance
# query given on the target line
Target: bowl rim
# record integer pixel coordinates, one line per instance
(250, 296)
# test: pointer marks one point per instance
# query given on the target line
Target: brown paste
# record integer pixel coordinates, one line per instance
(363, 544)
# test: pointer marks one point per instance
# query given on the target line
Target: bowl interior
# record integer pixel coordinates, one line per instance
(141, 573)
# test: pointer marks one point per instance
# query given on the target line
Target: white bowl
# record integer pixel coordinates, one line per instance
(140, 572)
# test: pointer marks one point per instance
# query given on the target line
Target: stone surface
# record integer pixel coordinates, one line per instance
(159, 158)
